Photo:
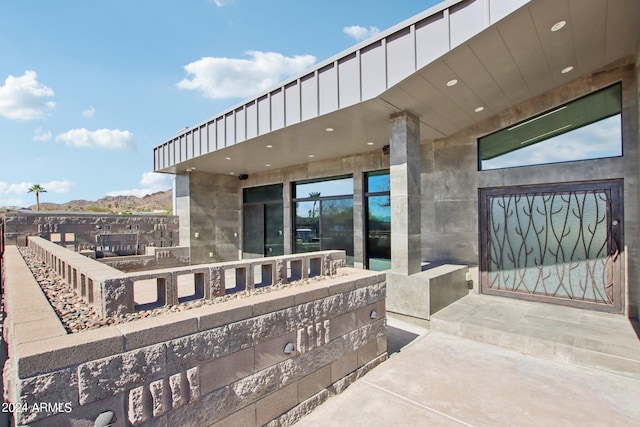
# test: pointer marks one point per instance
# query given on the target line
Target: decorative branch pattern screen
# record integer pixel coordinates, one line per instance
(557, 243)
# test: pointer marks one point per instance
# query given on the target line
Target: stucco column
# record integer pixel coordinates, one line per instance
(405, 193)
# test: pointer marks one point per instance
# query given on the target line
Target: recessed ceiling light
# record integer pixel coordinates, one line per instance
(269, 146)
(268, 165)
(227, 158)
(479, 109)
(329, 129)
(566, 70)
(311, 155)
(452, 82)
(370, 143)
(232, 173)
(558, 26)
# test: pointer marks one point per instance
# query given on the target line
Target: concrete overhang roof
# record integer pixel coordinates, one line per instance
(501, 52)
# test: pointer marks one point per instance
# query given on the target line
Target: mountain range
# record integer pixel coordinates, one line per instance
(160, 202)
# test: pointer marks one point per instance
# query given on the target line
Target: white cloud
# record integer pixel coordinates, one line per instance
(14, 188)
(89, 112)
(41, 135)
(24, 98)
(224, 78)
(55, 186)
(59, 187)
(102, 138)
(151, 182)
(221, 3)
(360, 33)
(158, 181)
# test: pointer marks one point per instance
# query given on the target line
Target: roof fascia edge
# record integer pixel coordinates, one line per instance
(353, 49)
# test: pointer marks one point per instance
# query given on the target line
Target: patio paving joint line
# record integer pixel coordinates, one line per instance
(418, 404)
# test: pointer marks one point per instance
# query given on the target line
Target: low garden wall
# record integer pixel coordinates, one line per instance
(263, 359)
(153, 258)
(112, 292)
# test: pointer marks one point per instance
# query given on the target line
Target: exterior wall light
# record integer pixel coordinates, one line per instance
(289, 348)
(373, 314)
(105, 419)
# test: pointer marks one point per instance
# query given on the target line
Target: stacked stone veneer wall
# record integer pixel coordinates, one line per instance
(221, 364)
(111, 292)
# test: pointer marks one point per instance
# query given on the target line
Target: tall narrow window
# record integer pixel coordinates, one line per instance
(587, 128)
(378, 205)
(324, 216)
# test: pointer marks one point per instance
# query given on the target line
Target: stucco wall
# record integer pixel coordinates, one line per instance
(450, 176)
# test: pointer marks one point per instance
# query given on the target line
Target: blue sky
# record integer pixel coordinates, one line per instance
(88, 88)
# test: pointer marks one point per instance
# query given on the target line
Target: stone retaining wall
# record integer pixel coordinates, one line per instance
(221, 364)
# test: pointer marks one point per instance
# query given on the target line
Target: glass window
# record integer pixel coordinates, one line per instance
(378, 225)
(337, 225)
(324, 216)
(378, 182)
(331, 187)
(265, 193)
(588, 128)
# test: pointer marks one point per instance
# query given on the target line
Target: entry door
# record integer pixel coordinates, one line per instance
(558, 244)
(253, 230)
(273, 229)
(263, 230)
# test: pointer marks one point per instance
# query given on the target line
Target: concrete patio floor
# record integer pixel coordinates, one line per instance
(446, 379)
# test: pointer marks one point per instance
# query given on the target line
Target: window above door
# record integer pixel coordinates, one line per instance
(587, 128)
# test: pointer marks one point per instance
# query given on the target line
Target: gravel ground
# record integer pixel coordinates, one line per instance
(77, 315)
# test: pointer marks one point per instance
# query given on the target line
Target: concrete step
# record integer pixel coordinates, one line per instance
(597, 340)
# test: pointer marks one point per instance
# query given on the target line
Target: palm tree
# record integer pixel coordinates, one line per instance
(315, 195)
(37, 188)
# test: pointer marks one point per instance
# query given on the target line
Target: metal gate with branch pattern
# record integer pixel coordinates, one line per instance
(554, 243)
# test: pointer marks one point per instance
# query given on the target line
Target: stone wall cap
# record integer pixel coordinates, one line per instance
(50, 354)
